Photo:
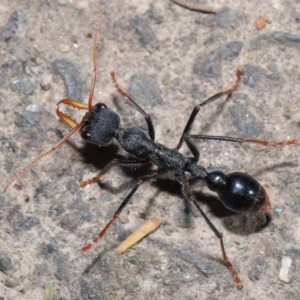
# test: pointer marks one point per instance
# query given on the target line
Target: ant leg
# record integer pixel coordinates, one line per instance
(241, 141)
(188, 195)
(140, 181)
(196, 109)
(192, 148)
(115, 162)
(132, 103)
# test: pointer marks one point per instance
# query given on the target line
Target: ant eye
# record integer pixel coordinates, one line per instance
(99, 106)
(85, 134)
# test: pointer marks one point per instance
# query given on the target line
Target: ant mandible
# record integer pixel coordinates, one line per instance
(237, 191)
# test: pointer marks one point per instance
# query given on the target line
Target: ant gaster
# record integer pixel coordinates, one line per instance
(238, 191)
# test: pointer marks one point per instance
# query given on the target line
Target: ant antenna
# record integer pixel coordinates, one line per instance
(65, 118)
(77, 127)
(94, 73)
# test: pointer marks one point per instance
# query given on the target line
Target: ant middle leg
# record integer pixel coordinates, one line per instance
(132, 103)
(196, 109)
(115, 162)
(140, 181)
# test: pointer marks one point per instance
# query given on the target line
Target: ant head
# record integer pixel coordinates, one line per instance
(99, 125)
(238, 191)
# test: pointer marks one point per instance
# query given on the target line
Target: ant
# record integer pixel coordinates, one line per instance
(237, 191)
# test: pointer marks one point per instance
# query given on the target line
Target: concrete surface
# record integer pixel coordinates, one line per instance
(170, 58)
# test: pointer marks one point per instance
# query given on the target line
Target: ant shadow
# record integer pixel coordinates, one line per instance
(274, 167)
(237, 223)
(97, 156)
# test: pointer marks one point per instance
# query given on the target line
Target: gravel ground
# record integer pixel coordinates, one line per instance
(170, 58)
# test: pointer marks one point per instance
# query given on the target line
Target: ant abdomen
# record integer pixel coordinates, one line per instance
(238, 191)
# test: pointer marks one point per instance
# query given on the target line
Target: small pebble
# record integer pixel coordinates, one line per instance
(143, 28)
(278, 210)
(70, 75)
(284, 270)
(123, 217)
(5, 262)
(45, 82)
(57, 96)
(2, 201)
(64, 48)
(23, 85)
(62, 2)
(11, 27)
(186, 277)
(34, 108)
(10, 283)
(145, 88)
(261, 21)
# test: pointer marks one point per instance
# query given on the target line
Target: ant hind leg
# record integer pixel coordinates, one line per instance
(189, 124)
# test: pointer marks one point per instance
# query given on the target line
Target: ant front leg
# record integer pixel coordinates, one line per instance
(115, 162)
(132, 103)
(140, 181)
(196, 109)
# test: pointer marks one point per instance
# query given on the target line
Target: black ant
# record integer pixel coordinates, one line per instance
(238, 191)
